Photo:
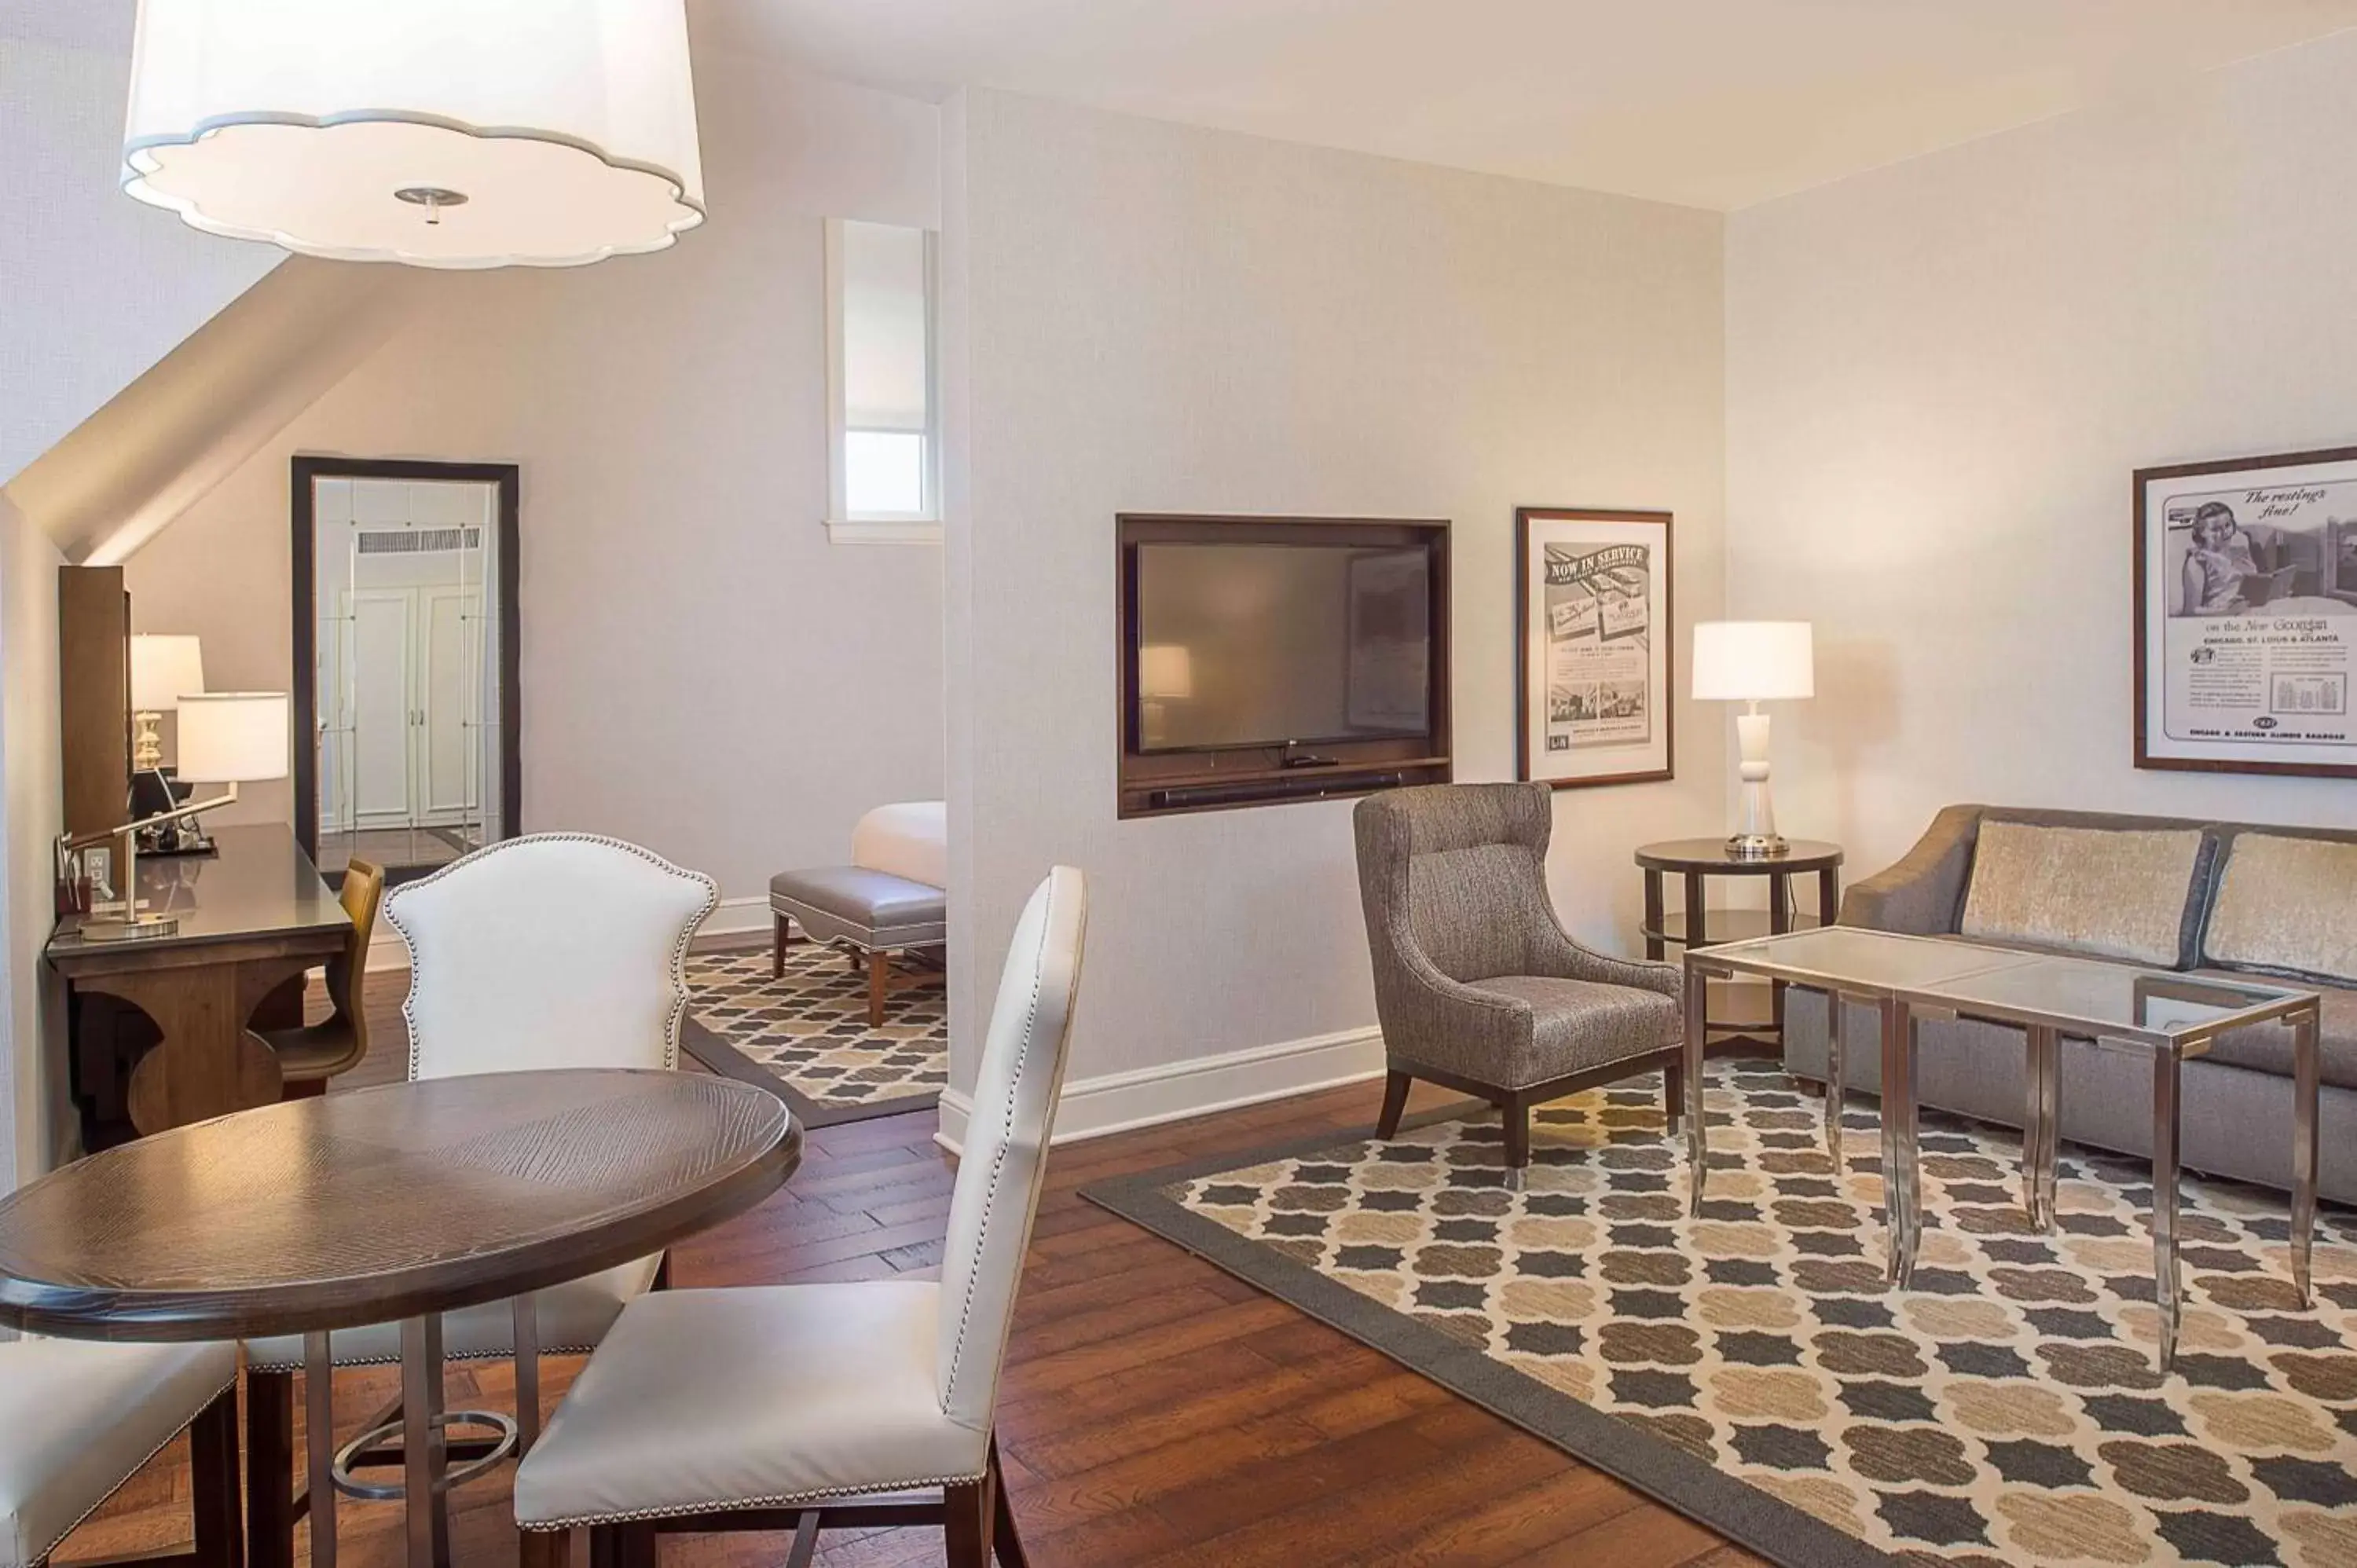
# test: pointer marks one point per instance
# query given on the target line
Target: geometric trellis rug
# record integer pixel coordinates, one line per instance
(1750, 1369)
(808, 1031)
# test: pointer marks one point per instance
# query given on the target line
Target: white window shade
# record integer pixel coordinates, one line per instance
(567, 126)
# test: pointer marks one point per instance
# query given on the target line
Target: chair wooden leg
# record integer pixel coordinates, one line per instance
(1516, 1112)
(605, 1546)
(879, 985)
(270, 1469)
(1003, 1536)
(637, 1542)
(966, 1522)
(544, 1549)
(1674, 1095)
(1395, 1088)
(212, 1484)
(784, 934)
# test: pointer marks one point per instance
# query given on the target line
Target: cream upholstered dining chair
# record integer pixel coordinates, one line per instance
(78, 1418)
(549, 951)
(811, 1406)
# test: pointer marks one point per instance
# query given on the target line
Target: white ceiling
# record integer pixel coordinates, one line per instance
(1709, 102)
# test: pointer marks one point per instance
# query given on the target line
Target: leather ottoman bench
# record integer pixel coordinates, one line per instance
(874, 913)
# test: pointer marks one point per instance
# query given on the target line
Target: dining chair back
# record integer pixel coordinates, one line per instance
(1004, 1161)
(553, 949)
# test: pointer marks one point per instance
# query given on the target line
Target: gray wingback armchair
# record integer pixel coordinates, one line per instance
(1477, 986)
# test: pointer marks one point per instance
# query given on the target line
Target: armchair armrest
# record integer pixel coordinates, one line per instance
(1920, 893)
(1554, 951)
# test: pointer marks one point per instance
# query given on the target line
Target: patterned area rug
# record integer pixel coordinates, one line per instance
(808, 1030)
(1750, 1369)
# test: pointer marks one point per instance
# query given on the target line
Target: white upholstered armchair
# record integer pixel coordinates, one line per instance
(808, 1406)
(550, 951)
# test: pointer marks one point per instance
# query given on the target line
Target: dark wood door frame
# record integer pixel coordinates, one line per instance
(509, 479)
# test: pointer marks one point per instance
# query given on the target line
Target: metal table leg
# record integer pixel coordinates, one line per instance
(1697, 1004)
(1902, 1197)
(1836, 1084)
(527, 1373)
(2165, 1069)
(2041, 1126)
(2305, 1072)
(425, 1450)
(319, 1444)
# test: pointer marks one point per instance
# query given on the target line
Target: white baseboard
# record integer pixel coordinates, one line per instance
(1146, 1097)
(733, 917)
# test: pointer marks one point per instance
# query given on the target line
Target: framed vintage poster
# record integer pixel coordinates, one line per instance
(2246, 615)
(1594, 636)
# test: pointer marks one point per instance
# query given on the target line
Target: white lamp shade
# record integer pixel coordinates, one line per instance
(1166, 669)
(1753, 661)
(234, 738)
(567, 125)
(163, 670)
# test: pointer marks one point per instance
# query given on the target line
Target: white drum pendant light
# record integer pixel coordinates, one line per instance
(437, 133)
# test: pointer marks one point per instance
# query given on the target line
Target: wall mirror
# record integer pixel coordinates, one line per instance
(406, 659)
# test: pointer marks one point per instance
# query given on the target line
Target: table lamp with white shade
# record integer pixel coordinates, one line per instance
(1754, 661)
(162, 669)
(226, 737)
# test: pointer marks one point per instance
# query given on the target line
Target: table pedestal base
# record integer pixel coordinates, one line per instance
(424, 1429)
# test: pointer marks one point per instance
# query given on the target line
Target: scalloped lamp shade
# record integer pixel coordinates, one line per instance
(434, 133)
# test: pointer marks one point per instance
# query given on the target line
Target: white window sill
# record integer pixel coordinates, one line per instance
(883, 531)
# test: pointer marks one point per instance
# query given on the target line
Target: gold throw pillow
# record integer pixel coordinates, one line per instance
(2106, 892)
(2287, 903)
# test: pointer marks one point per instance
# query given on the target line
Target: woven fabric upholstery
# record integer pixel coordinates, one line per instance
(1469, 956)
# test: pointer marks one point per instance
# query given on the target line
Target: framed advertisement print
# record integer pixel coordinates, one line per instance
(1593, 637)
(2246, 615)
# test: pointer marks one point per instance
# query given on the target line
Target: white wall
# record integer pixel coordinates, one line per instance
(1941, 376)
(703, 671)
(1156, 317)
(34, 1120)
(97, 286)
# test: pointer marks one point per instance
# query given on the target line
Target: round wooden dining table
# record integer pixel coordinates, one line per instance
(397, 1203)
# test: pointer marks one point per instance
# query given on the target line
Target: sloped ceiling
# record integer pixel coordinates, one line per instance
(1719, 103)
(175, 432)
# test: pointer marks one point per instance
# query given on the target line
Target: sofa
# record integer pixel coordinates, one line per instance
(2228, 899)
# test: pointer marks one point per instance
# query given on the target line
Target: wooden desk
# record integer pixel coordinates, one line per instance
(253, 915)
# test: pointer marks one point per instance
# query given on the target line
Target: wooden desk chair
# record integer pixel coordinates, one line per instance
(309, 1055)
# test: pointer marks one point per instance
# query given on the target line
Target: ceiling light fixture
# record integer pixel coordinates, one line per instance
(434, 133)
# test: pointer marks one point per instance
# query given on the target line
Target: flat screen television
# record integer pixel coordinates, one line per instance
(1264, 644)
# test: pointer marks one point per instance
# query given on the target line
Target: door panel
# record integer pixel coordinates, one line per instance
(447, 619)
(379, 684)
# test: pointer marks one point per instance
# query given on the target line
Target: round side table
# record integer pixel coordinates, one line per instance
(1695, 862)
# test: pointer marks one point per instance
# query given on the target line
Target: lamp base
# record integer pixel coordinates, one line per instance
(1756, 847)
(128, 928)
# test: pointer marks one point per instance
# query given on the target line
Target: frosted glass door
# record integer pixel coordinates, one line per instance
(446, 773)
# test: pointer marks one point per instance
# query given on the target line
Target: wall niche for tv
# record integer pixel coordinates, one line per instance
(1268, 660)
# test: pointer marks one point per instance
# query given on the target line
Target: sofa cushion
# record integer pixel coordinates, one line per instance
(1576, 1024)
(2266, 1048)
(2126, 893)
(2286, 905)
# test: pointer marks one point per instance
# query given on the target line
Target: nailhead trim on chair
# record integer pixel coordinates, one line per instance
(42, 1556)
(679, 948)
(289, 1367)
(783, 1499)
(998, 1163)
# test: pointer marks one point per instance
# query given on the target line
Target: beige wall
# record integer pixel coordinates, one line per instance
(98, 286)
(703, 671)
(1940, 378)
(1157, 317)
(35, 1126)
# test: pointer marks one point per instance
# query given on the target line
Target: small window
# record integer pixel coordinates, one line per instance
(884, 444)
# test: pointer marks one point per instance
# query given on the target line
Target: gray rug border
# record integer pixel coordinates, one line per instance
(1752, 1519)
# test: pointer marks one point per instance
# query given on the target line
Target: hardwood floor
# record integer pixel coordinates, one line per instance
(1155, 1411)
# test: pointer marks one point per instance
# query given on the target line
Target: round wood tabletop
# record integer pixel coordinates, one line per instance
(385, 1203)
(1712, 855)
